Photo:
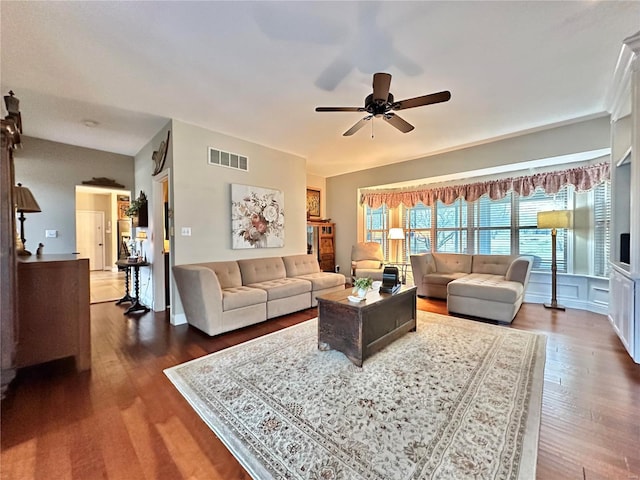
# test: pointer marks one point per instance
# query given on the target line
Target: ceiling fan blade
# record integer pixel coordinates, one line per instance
(357, 126)
(423, 100)
(397, 122)
(339, 109)
(381, 85)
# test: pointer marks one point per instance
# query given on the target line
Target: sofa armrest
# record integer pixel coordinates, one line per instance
(201, 296)
(421, 265)
(519, 270)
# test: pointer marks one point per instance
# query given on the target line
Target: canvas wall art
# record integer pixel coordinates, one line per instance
(257, 216)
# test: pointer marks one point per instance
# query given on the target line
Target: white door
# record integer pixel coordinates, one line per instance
(90, 237)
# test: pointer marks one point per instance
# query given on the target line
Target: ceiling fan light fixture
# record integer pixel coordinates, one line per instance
(376, 105)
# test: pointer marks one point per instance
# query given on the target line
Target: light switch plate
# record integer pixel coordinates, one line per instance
(50, 233)
(186, 231)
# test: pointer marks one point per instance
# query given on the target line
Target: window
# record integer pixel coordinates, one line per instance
(377, 226)
(451, 231)
(417, 227)
(537, 242)
(500, 227)
(491, 226)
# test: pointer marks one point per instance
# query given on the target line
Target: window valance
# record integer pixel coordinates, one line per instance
(582, 178)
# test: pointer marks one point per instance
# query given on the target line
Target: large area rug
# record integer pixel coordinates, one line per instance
(457, 399)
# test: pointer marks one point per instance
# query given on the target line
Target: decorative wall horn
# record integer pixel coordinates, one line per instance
(12, 123)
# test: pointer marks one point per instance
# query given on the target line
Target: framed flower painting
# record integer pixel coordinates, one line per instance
(257, 217)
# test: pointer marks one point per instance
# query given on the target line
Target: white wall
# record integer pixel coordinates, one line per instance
(52, 170)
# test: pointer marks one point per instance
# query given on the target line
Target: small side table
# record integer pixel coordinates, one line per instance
(402, 269)
(136, 305)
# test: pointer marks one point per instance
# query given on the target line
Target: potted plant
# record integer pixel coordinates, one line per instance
(362, 285)
(138, 211)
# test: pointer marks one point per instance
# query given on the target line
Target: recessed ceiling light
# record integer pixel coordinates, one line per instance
(90, 123)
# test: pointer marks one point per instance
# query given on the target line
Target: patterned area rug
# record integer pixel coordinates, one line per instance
(457, 399)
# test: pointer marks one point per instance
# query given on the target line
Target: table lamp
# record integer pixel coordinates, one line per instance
(25, 203)
(396, 234)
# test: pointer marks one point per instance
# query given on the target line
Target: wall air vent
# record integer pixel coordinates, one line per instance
(227, 159)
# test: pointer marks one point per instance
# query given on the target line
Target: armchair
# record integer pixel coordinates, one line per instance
(367, 260)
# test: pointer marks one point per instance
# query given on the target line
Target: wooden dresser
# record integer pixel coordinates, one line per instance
(54, 319)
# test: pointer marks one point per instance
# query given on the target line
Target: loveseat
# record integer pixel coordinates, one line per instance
(221, 296)
(485, 286)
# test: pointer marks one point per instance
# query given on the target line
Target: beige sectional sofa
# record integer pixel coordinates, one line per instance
(221, 296)
(486, 286)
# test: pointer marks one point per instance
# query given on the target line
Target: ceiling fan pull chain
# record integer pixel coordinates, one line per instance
(372, 128)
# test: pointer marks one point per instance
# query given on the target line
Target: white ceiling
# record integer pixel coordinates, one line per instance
(257, 70)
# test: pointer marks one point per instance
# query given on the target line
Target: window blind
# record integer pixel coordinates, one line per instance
(601, 228)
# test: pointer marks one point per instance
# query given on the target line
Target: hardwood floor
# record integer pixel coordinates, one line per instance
(124, 419)
(106, 286)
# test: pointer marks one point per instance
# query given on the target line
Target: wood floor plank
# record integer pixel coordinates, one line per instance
(124, 419)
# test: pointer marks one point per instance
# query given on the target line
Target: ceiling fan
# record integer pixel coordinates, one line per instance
(380, 103)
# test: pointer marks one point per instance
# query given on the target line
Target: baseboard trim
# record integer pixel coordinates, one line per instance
(570, 303)
(179, 319)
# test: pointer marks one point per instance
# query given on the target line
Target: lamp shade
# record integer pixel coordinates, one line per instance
(25, 201)
(396, 234)
(555, 219)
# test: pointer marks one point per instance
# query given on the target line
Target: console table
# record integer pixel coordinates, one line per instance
(136, 305)
(361, 329)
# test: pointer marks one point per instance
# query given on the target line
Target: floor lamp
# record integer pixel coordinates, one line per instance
(396, 234)
(25, 203)
(554, 219)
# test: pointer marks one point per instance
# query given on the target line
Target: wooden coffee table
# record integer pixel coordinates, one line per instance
(361, 329)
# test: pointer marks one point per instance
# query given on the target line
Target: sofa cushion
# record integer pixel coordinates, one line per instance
(441, 278)
(519, 270)
(492, 264)
(367, 251)
(258, 270)
(296, 265)
(238, 297)
(228, 273)
(367, 264)
(372, 273)
(486, 287)
(283, 287)
(452, 262)
(322, 280)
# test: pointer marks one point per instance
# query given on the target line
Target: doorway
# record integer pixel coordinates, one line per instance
(90, 237)
(162, 248)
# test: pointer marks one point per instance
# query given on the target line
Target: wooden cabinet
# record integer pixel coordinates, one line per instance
(53, 310)
(321, 242)
(624, 280)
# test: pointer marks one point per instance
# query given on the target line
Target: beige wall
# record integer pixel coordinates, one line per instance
(52, 170)
(319, 183)
(152, 277)
(342, 190)
(202, 196)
